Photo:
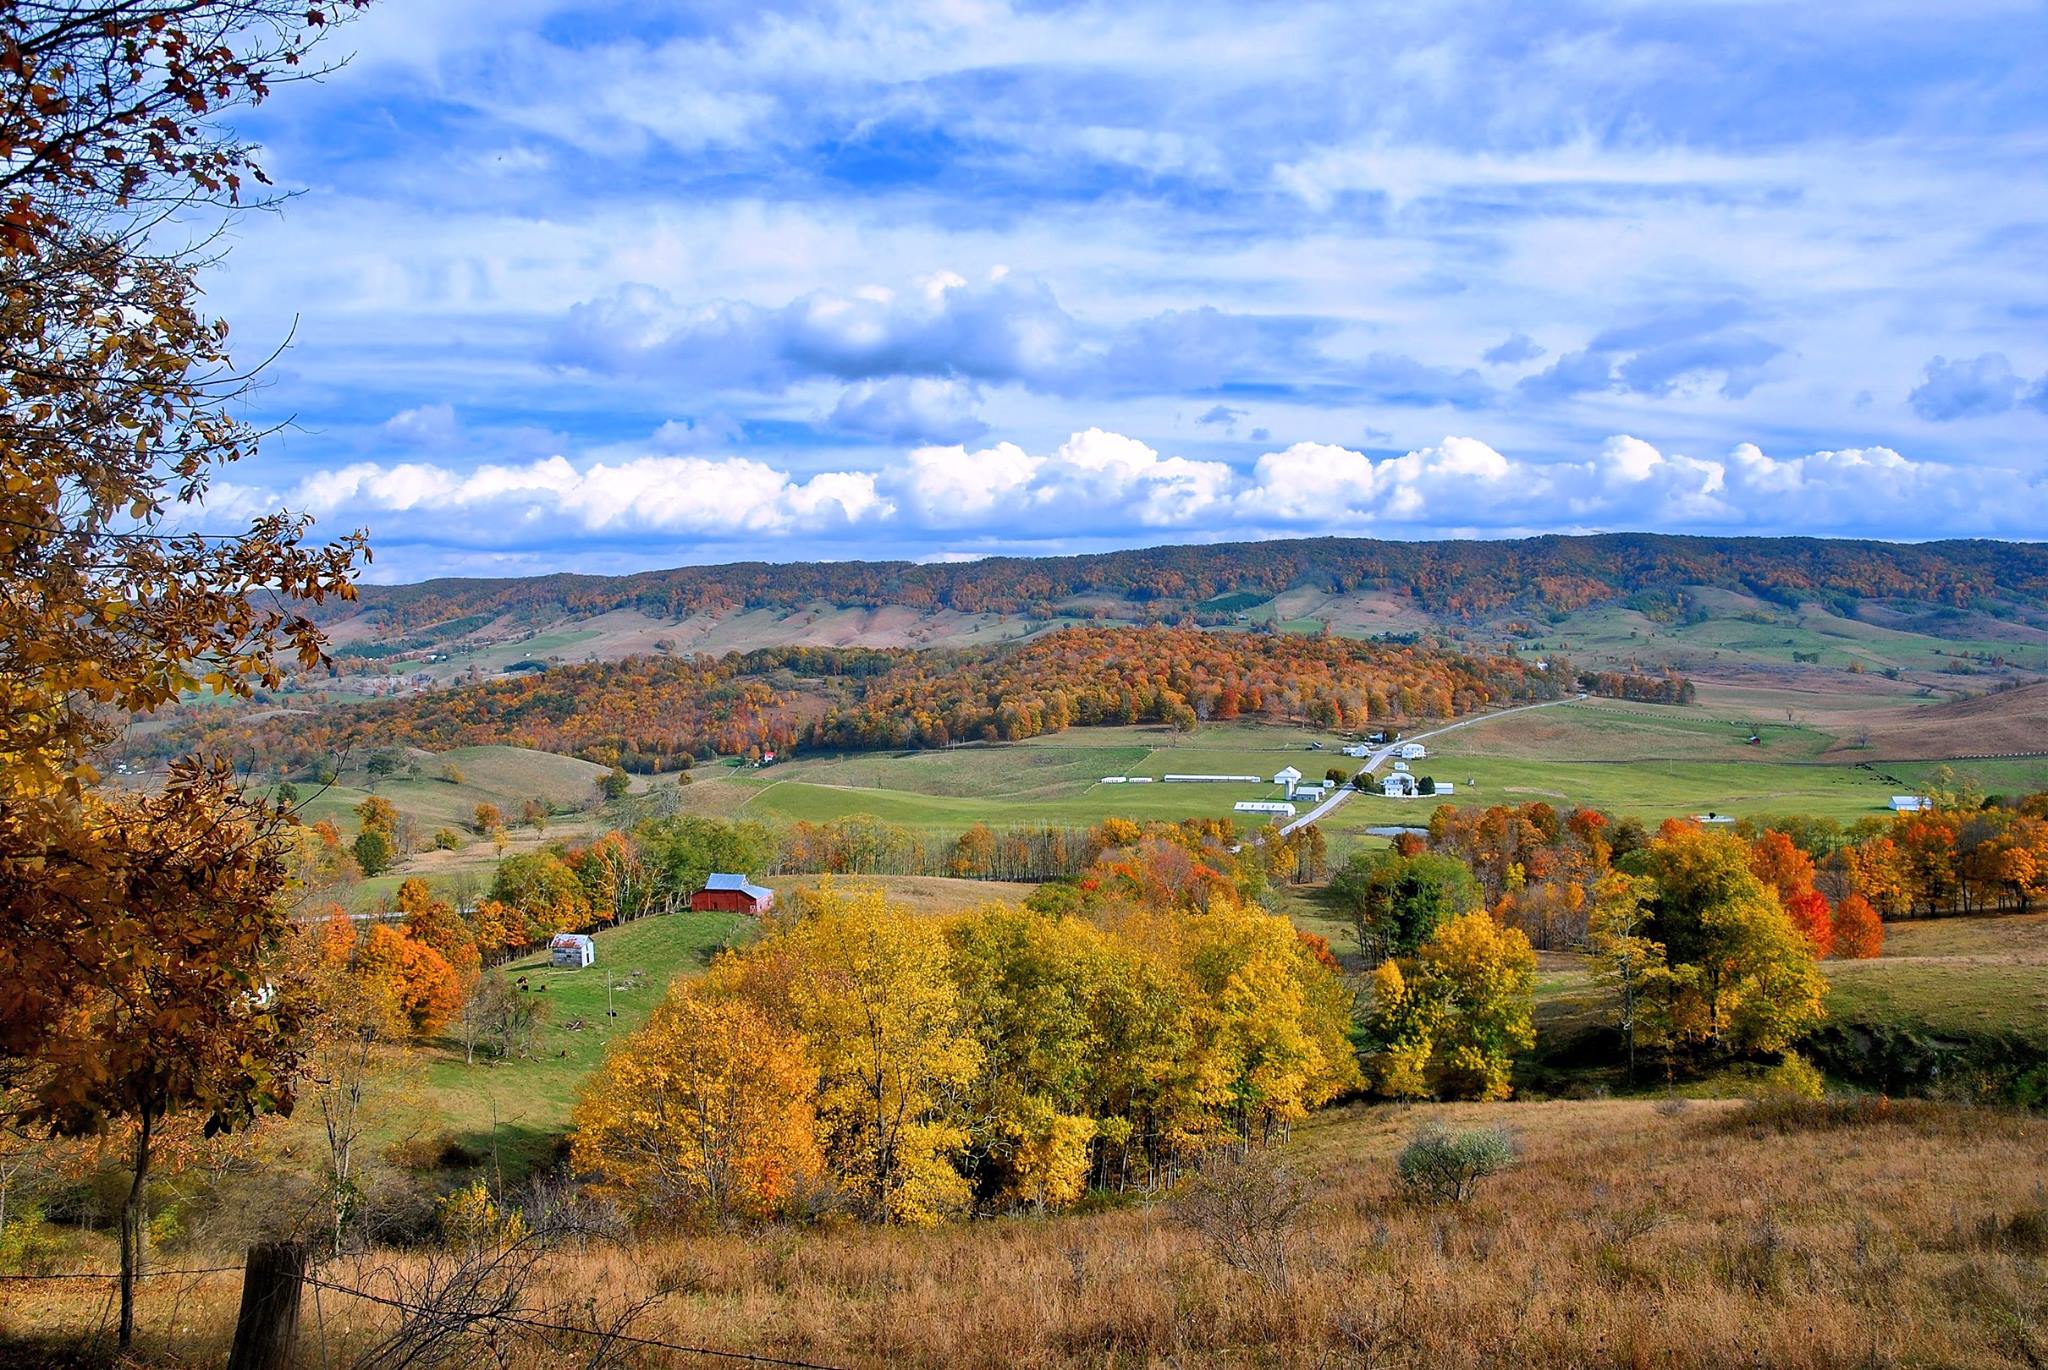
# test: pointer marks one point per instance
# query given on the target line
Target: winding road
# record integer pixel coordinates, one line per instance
(1380, 757)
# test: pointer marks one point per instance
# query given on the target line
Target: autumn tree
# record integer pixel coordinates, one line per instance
(1755, 977)
(355, 1073)
(544, 891)
(1859, 934)
(1484, 977)
(487, 819)
(703, 1114)
(865, 984)
(173, 900)
(376, 814)
(116, 410)
(419, 985)
(1399, 1034)
(1629, 964)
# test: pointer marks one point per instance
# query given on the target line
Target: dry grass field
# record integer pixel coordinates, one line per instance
(1628, 1234)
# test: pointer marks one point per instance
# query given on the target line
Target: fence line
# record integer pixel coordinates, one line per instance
(116, 1275)
(542, 1325)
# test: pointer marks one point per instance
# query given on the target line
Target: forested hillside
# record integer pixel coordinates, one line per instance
(1451, 579)
(651, 713)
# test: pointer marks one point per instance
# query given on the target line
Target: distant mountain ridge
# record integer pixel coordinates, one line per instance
(1212, 583)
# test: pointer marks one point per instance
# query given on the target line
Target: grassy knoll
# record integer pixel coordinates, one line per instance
(524, 1105)
(518, 1110)
(422, 787)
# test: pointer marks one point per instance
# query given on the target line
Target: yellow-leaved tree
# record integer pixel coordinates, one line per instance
(704, 1115)
(867, 986)
(1483, 975)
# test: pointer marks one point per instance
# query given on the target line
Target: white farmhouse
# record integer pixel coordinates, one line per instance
(1399, 785)
(1413, 751)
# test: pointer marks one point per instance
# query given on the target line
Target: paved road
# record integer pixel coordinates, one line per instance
(1380, 757)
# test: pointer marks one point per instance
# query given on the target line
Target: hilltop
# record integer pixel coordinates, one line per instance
(1390, 585)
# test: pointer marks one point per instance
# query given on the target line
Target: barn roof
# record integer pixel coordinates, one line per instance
(719, 881)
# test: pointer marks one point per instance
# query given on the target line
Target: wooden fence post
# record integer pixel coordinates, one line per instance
(268, 1327)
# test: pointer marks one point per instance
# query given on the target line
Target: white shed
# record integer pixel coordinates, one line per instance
(1908, 803)
(572, 950)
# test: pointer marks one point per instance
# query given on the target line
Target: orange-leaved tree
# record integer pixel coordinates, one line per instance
(1859, 934)
(703, 1115)
(417, 981)
(132, 935)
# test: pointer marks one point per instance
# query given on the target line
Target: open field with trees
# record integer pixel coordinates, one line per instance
(1701, 1235)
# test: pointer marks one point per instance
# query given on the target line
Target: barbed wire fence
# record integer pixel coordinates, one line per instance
(456, 1311)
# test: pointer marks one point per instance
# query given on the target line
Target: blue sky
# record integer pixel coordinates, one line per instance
(608, 286)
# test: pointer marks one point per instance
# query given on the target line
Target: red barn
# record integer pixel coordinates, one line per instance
(732, 894)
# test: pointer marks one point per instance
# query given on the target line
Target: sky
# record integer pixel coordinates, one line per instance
(604, 286)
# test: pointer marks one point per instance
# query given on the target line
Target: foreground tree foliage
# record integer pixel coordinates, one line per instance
(133, 932)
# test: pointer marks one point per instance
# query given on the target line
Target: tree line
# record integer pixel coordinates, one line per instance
(660, 713)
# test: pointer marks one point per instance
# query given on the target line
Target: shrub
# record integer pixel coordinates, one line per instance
(1441, 1166)
(1792, 1078)
(447, 839)
(1248, 1211)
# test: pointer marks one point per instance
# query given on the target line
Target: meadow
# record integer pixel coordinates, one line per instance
(1631, 759)
(1628, 1233)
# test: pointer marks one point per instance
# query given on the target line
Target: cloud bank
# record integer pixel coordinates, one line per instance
(1110, 487)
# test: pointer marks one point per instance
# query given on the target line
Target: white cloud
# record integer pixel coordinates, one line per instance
(1108, 487)
(555, 498)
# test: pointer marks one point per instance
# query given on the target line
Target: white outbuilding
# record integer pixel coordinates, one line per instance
(572, 950)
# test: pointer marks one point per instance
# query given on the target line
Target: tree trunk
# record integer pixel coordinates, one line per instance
(131, 1227)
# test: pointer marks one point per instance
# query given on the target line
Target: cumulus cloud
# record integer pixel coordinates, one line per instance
(542, 501)
(1094, 481)
(1961, 389)
(1109, 487)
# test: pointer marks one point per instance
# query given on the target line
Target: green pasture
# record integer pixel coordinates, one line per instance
(519, 1110)
(505, 776)
(1056, 780)
(1648, 789)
